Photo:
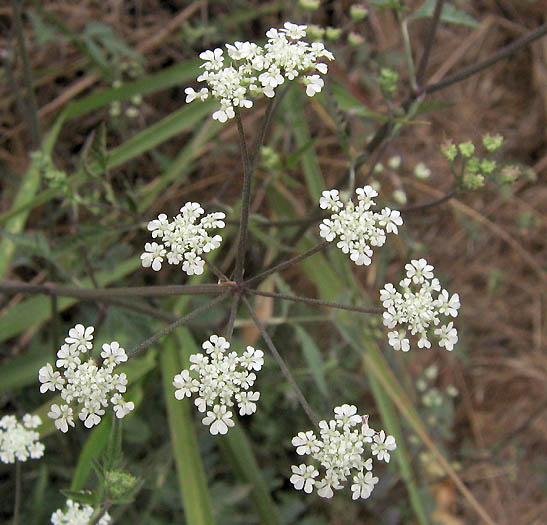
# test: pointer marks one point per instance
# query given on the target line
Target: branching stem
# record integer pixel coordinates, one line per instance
(317, 302)
(277, 356)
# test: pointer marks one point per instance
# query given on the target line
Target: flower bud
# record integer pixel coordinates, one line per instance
(358, 12)
(492, 143)
(309, 5)
(467, 148)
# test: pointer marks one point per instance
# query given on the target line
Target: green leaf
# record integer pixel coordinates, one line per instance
(93, 448)
(313, 357)
(236, 446)
(450, 14)
(113, 452)
(191, 475)
(312, 172)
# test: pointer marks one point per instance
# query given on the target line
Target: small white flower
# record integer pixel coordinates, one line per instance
(80, 338)
(185, 385)
(314, 84)
(346, 415)
(219, 419)
(253, 359)
(303, 477)
(191, 95)
(363, 485)
(114, 353)
(306, 443)
(382, 445)
(419, 270)
(294, 31)
(121, 407)
(448, 336)
(62, 415)
(50, 380)
(247, 402)
(398, 340)
(153, 256)
(330, 200)
(213, 59)
(421, 171)
(391, 219)
(68, 357)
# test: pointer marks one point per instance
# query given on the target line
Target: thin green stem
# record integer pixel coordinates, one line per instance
(34, 123)
(17, 502)
(179, 322)
(284, 369)
(286, 264)
(316, 302)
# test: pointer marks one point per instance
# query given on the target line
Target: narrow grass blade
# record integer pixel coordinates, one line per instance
(191, 475)
(312, 172)
(236, 446)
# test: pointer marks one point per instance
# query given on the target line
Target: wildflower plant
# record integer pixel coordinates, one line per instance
(19, 441)
(252, 70)
(221, 381)
(217, 379)
(420, 306)
(357, 227)
(86, 388)
(340, 450)
(183, 240)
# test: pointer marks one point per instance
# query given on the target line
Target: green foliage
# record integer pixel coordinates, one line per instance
(450, 14)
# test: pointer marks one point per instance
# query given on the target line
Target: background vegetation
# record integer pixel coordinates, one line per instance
(470, 425)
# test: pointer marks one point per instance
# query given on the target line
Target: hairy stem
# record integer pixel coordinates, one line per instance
(232, 318)
(429, 42)
(10, 287)
(317, 302)
(17, 502)
(286, 264)
(269, 343)
(504, 52)
(34, 123)
(245, 200)
(168, 329)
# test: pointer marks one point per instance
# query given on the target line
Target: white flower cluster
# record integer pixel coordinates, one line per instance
(182, 239)
(417, 308)
(339, 450)
(221, 376)
(19, 441)
(77, 515)
(84, 384)
(253, 69)
(358, 228)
